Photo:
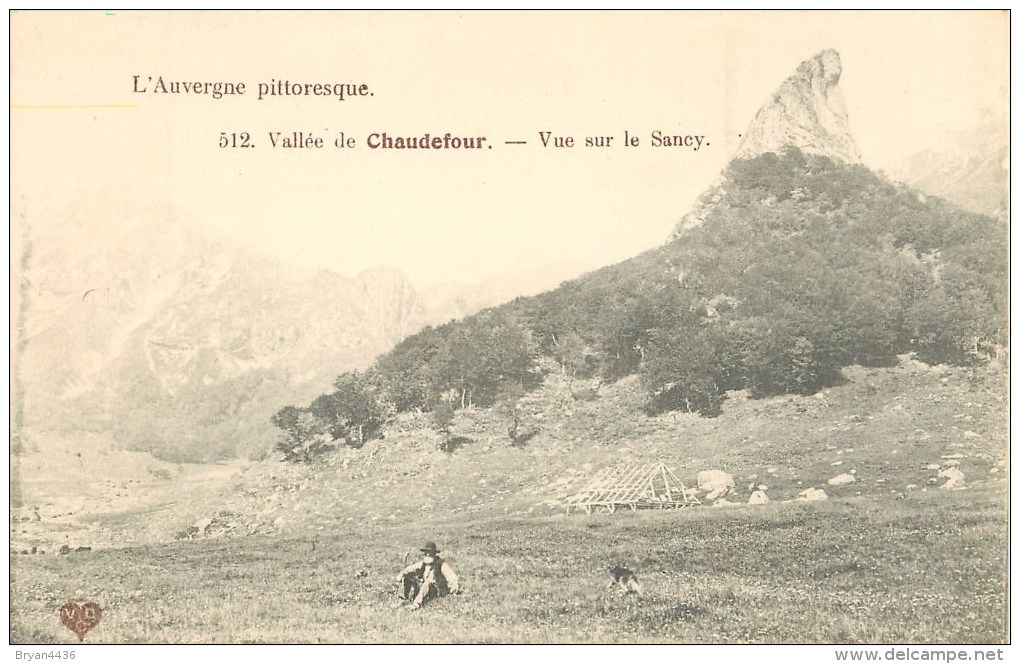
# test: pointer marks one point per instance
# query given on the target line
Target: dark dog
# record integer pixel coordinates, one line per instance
(625, 579)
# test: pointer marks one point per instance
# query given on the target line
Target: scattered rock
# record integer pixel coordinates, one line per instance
(758, 498)
(812, 494)
(954, 478)
(952, 463)
(840, 480)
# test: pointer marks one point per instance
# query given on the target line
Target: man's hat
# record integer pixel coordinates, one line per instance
(430, 548)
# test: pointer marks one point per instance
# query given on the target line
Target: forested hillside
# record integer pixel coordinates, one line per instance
(800, 266)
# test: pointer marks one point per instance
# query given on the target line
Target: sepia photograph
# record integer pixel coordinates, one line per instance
(510, 327)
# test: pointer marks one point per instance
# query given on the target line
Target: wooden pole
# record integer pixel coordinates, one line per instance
(665, 480)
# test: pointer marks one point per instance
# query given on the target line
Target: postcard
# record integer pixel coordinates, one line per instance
(510, 327)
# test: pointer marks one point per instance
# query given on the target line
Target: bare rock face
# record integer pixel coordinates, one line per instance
(807, 111)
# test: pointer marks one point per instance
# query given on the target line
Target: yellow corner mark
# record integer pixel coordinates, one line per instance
(19, 107)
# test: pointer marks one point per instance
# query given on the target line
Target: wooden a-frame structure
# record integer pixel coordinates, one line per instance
(633, 486)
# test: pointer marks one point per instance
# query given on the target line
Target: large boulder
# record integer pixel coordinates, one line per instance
(840, 480)
(758, 498)
(715, 483)
(954, 478)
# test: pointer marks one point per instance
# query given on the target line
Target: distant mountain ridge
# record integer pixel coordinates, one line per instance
(969, 167)
(141, 324)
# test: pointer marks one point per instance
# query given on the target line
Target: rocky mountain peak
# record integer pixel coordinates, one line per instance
(807, 111)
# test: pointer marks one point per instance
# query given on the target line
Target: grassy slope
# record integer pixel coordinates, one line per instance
(876, 563)
(886, 424)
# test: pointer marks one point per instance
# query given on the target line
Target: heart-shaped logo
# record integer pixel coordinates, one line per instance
(80, 618)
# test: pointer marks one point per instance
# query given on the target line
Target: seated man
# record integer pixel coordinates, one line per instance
(428, 578)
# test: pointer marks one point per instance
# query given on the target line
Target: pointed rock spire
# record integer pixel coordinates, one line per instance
(807, 111)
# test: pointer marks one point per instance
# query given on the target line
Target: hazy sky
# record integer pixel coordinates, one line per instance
(908, 79)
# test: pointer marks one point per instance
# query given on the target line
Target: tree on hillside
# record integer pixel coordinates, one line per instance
(355, 412)
(685, 371)
(481, 356)
(458, 364)
(406, 374)
(509, 408)
(442, 420)
(303, 436)
(781, 358)
(570, 350)
(509, 352)
(954, 319)
(624, 327)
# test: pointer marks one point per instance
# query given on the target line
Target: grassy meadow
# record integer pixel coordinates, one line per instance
(857, 570)
(309, 553)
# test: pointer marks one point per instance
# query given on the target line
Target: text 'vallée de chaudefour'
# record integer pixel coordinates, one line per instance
(375, 141)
